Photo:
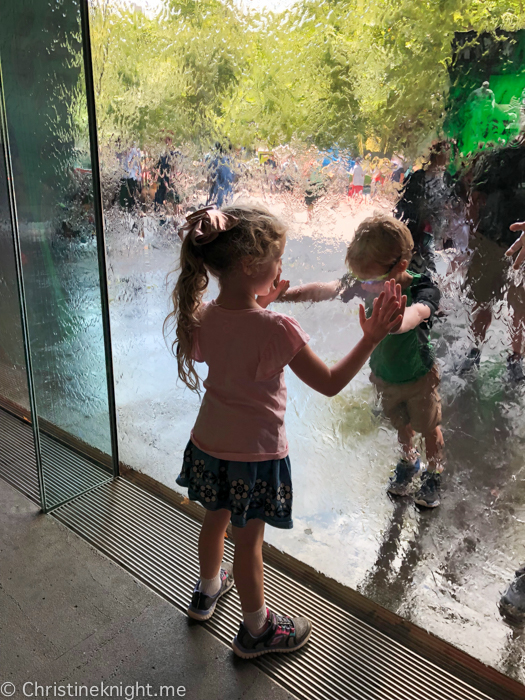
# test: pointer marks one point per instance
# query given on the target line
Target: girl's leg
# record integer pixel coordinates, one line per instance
(211, 542)
(248, 565)
(258, 633)
(213, 581)
(249, 575)
(434, 444)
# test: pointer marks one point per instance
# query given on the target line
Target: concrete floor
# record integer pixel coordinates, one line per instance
(70, 615)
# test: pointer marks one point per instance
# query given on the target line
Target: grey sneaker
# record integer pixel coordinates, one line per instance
(512, 602)
(428, 494)
(284, 634)
(202, 606)
(401, 484)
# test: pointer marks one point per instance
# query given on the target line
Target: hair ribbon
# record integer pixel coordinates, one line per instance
(204, 225)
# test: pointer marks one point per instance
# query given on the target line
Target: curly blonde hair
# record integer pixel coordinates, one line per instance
(256, 237)
(380, 240)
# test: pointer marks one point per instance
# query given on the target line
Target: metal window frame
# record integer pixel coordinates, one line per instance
(21, 292)
(100, 228)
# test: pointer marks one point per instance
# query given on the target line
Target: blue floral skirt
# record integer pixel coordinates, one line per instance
(247, 489)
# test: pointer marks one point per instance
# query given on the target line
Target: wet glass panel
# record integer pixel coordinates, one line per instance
(40, 47)
(329, 114)
(13, 378)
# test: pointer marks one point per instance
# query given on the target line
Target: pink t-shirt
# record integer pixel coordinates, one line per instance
(242, 412)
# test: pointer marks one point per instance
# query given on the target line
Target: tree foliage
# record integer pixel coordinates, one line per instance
(338, 72)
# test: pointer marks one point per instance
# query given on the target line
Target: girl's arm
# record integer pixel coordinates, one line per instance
(387, 313)
(413, 316)
(315, 291)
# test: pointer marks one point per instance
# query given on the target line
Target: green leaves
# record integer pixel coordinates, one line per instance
(332, 73)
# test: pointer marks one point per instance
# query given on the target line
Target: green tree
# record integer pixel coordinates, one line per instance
(338, 72)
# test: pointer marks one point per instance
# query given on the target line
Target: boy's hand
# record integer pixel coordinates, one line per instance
(279, 288)
(518, 245)
(387, 313)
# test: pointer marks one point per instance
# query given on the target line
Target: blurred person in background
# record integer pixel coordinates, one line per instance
(131, 183)
(495, 201)
(420, 207)
(165, 184)
(358, 180)
(221, 176)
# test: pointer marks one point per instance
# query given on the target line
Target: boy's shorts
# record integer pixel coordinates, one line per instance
(416, 403)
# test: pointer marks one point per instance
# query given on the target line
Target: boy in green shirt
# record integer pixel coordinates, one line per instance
(403, 365)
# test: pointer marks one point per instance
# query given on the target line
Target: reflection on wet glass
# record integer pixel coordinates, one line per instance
(13, 379)
(47, 124)
(279, 109)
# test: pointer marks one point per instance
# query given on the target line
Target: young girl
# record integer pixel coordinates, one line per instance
(236, 463)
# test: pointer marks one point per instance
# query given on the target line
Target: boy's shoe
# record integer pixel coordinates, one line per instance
(284, 634)
(402, 482)
(428, 494)
(202, 606)
(512, 602)
(515, 368)
(470, 362)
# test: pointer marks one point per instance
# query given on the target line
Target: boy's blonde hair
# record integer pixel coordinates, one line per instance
(380, 240)
(257, 237)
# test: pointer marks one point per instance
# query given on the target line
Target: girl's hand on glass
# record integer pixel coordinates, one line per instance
(278, 289)
(398, 317)
(387, 314)
(519, 245)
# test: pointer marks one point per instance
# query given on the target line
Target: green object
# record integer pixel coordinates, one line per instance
(399, 359)
(487, 93)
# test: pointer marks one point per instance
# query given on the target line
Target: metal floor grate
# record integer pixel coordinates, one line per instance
(346, 659)
(17, 455)
(66, 473)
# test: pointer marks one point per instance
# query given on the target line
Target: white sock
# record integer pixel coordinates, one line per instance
(210, 586)
(411, 456)
(255, 622)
